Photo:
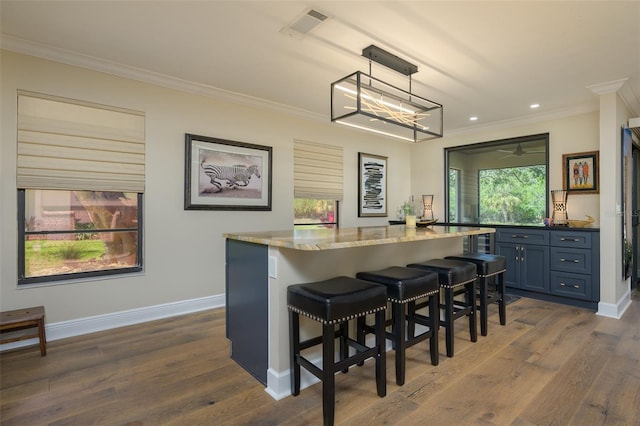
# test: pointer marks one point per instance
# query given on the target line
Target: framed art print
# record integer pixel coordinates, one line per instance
(226, 175)
(372, 185)
(580, 172)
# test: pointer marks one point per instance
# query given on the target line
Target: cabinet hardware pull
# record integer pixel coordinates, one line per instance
(519, 236)
(569, 285)
(571, 260)
(570, 239)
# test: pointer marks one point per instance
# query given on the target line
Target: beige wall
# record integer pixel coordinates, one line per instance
(183, 250)
(577, 133)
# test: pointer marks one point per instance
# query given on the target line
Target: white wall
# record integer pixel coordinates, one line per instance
(615, 290)
(183, 250)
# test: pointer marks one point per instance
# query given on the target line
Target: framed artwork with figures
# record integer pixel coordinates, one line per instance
(580, 172)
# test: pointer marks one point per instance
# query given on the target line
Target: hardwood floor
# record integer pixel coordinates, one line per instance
(550, 365)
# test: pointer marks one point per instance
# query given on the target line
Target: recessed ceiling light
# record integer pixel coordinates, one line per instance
(534, 106)
(474, 118)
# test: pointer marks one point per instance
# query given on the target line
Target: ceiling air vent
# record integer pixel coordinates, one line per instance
(305, 23)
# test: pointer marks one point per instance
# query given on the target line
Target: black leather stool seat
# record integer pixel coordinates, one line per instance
(455, 277)
(451, 273)
(337, 299)
(334, 302)
(405, 286)
(487, 266)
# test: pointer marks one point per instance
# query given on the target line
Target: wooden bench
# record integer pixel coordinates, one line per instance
(22, 319)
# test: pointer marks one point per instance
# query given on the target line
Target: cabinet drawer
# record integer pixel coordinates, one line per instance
(571, 260)
(571, 285)
(522, 236)
(571, 239)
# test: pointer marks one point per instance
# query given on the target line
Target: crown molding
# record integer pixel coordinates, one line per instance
(608, 87)
(626, 92)
(68, 57)
(631, 99)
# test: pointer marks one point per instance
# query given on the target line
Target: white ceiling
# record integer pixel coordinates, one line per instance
(488, 59)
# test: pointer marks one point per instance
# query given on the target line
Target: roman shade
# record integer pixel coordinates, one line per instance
(317, 171)
(74, 145)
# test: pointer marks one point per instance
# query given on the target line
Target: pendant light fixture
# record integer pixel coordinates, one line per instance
(362, 101)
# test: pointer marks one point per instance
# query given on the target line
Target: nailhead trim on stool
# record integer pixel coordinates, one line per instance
(456, 277)
(402, 286)
(488, 265)
(334, 302)
(336, 321)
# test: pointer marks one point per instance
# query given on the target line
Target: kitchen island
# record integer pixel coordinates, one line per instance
(261, 265)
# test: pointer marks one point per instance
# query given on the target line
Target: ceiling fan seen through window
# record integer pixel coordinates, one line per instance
(519, 151)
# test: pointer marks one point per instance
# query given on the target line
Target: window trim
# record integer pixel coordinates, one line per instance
(494, 143)
(22, 233)
(458, 173)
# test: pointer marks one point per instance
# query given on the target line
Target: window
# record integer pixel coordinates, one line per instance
(499, 182)
(80, 183)
(66, 234)
(317, 184)
(312, 213)
(454, 192)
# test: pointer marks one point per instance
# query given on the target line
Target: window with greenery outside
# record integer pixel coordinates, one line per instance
(498, 182)
(69, 234)
(313, 213)
(514, 195)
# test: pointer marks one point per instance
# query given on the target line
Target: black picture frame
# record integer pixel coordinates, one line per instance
(372, 185)
(222, 174)
(573, 180)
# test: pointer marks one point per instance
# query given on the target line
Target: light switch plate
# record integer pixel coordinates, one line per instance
(273, 267)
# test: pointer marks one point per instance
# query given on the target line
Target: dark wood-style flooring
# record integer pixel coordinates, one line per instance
(550, 365)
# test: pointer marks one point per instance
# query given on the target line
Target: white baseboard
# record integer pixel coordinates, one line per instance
(616, 310)
(279, 384)
(80, 326)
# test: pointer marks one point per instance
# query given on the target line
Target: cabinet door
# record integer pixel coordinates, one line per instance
(534, 268)
(511, 252)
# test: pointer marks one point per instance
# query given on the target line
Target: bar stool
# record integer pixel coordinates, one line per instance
(334, 302)
(405, 286)
(488, 265)
(456, 277)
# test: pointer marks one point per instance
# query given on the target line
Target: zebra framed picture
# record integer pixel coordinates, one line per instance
(226, 175)
(372, 185)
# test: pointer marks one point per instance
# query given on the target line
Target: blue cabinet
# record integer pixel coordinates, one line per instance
(527, 254)
(557, 264)
(247, 298)
(575, 264)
